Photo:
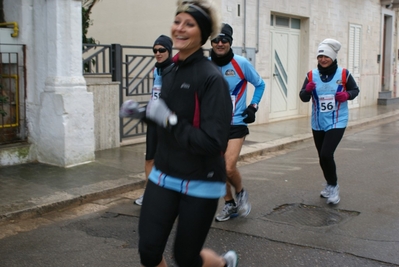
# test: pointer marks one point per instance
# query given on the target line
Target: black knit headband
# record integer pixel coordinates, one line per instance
(202, 18)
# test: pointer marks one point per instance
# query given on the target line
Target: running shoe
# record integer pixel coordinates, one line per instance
(229, 211)
(231, 258)
(325, 193)
(243, 205)
(334, 195)
(139, 201)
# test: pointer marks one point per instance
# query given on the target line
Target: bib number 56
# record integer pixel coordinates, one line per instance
(327, 103)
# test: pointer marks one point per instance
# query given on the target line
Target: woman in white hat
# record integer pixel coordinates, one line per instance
(330, 87)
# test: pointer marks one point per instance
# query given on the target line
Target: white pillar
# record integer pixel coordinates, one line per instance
(66, 119)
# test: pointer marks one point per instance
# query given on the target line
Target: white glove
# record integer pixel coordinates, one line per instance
(131, 109)
(158, 112)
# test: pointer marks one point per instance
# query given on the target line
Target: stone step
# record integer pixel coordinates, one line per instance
(385, 94)
(13, 154)
(387, 101)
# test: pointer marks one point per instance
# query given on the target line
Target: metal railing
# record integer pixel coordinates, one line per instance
(12, 94)
(132, 67)
(96, 59)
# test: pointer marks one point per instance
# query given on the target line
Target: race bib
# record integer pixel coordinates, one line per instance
(327, 103)
(156, 93)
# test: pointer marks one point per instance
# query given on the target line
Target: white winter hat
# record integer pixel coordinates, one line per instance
(329, 48)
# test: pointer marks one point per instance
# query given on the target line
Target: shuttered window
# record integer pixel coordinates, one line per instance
(355, 32)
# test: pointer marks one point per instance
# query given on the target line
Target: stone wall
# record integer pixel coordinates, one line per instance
(106, 114)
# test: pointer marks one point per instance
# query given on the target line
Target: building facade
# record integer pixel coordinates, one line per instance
(280, 38)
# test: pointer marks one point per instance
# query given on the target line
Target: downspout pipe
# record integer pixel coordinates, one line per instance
(257, 26)
(395, 56)
(244, 48)
(15, 28)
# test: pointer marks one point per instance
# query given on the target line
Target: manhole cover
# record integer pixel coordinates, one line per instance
(309, 215)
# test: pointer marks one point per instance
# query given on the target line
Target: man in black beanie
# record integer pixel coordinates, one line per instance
(227, 32)
(237, 71)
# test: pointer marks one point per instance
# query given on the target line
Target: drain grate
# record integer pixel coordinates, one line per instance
(308, 215)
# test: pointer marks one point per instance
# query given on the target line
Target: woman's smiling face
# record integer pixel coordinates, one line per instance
(324, 61)
(186, 35)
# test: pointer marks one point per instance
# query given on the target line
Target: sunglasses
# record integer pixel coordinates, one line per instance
(218, 39)
(160, 50)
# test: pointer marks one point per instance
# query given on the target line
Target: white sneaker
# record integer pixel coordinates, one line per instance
(334, 195)
(231, 258)
(325, 193)
(243, 205)
(229, 211)
(139, 201)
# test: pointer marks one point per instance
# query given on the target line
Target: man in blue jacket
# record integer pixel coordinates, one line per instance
(237, 71)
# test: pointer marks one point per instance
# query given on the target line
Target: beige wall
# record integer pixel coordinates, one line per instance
(131, 22)
(320, 20)
(106, 113)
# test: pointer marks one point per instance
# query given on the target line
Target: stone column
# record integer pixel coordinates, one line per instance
(66, 118)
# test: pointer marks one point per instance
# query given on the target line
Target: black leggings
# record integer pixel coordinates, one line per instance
(151, 141)
(326, 143)
(160, 209)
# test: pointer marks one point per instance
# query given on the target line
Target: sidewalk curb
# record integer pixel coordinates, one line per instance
(379, 119)
(71, 202)
(260, 149)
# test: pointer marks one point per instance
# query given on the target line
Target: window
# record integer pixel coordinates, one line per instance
(296, 23)
(282, 21)
(286, 22)
(354, 49)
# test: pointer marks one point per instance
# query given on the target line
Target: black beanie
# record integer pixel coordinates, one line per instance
(166, 42)
(203, 20)
(227, 32)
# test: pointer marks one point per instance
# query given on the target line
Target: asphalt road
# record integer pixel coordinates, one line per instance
(290, 225)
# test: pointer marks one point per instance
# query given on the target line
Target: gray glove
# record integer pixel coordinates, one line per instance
(158, 112)
(131, 109)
